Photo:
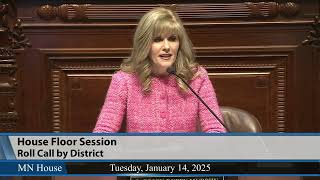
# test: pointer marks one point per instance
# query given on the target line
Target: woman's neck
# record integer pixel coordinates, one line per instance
(159, 72)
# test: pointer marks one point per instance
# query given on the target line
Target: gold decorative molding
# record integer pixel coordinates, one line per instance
(107, 12)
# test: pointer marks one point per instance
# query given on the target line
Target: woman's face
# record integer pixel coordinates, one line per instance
(163, 52)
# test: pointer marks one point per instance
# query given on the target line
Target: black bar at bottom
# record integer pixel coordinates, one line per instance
(193, 167)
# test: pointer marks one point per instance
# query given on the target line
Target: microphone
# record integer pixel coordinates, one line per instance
(172, 70)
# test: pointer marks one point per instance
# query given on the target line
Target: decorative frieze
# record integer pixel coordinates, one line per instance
(109, 12)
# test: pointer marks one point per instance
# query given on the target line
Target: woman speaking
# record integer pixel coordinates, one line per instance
(146, 97)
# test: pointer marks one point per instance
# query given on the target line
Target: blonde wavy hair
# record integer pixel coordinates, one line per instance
(154, 23)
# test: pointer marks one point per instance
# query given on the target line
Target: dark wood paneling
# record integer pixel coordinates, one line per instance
(80, 37)
(312, 40)
(79, 81)
(255, 60)
(255, 79)
(84, 86)
(301, 100)
(82, 11)
(33, 96)
(256, 64)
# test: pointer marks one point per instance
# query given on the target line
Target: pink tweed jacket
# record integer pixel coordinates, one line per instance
(165, 109)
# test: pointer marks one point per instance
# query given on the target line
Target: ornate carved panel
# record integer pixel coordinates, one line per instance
(8, 113)
(79, 80)
(12, 38)
(313, 37)
(98, 12)
(255, 81)
(8, 88)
